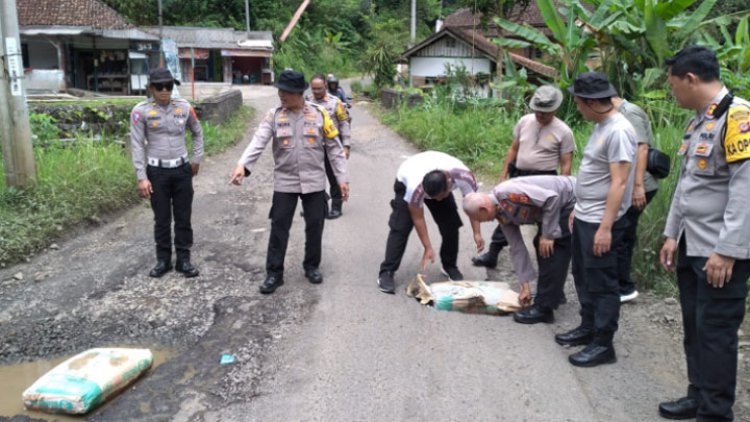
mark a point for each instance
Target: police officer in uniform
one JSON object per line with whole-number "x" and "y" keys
{"x": 301, "y": 134}
{"x": 546, "y": 201}
{"x": 541, "y": 143}
{"x": 165, "y": 175}
{"x": 708, "y": 225}
{"x": 340, "y": 116}
{"x": 645, "y": 187}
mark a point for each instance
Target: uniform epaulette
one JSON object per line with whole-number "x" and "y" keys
{"x": 142, "y": 103}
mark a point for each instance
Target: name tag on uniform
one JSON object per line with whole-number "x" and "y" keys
{"x": 284, "y": 132}
{"x": 703, "y": 149}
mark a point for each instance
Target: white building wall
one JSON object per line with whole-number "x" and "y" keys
{"x": 44, "y": 80}
{"x": 435, "y": 66}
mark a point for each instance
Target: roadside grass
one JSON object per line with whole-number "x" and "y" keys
{"x": 79, "y": 181}
{"x": 480, "y": 136}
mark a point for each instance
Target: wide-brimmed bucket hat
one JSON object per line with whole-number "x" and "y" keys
{"x": 161, "y": 75}
{"x": 546, "y": 99}
{"x": 291, "y": 81}
{"x": 592, "y": 85}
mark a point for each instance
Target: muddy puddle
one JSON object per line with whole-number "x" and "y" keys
{"x": 14, "y": 379}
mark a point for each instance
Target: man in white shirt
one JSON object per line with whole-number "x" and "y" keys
{"x": 427, "y": 178}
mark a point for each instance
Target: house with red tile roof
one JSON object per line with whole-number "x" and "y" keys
{"x": 464, "y": 42}
{"x": 86, "y": 44}
{"x": 82, "y": 44}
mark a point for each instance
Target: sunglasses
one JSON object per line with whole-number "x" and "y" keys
{"x": 161, "y": 86}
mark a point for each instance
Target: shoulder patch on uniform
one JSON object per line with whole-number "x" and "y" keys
{"x": 329, "y": 129}
{"x": 737, "y": 138}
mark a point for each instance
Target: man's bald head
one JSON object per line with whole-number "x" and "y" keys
{"x": 479, "y": 206}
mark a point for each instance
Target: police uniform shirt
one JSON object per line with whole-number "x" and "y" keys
{"x": 337, "y": 111}
{"x": 158, "y": 131}
{"x": 638, "y": 118}
{"x": 612, "y": 141}
{"x": 711, "y": 203}
{"x": 412, "y": 172}
{"x": 299, "y": 141}
{"x": 532, "y": 200}
{"x": 540, "y": 147}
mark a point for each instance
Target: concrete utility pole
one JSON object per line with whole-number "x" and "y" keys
{"x": 161, "y": 37}
{"x": 413, "y": 21}
{"x": 18, "y": 154}
{"x": 247, "y": 16}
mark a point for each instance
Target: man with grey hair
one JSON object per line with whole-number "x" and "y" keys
{"x": 541, "y": 144}
{"x": 543, "y": 200}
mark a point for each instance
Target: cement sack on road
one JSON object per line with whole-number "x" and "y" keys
{"x": 476, "y": 297}
{"x": 86, "y": 380}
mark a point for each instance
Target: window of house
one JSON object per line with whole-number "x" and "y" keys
{"x": 25, "y": 53}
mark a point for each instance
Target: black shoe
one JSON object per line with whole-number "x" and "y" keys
{"x": 271, "y": 283}
{"x": 186, "y": 268}
{"x": 314, "y": 276}
{"x": 161, "y": 268}
{"x": 334, "y": 214}
{"x": 386, "y": 283}
{"x": 684, "y": 408}
{"x": 593, "y": 355}
{"x": 487, "y": 259}
{"x": 575, "y": 337}
{"x": 452, "y": 273}
{"x": 534, "y": 315}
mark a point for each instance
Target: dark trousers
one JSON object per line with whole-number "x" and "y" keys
{"x": 446, "y": 216}
{"x": 336, "y": 198}
{"x": 172, "y": 196}
{"x": 282, "y": 212}
{"x": 553, "y": 270}
{"x": 625, "y": 253}
{"x": 596, "y": 280}
{"x": 711, "y": 318}
{"x": 498, "y": 241}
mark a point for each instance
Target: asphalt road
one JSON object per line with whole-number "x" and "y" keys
{"x": 339, "y": 351}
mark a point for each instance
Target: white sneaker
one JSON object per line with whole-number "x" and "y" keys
{"x": 628, "y": 297}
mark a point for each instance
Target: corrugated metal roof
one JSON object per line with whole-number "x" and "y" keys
{"x": 57, "y": 30}
{"x": 214, "y": 38}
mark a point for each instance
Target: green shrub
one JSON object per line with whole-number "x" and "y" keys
{"x": 356, "y": 87}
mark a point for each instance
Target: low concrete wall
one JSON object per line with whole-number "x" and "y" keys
{"x": 218, "y": 108}
{"x": 390, "y": 98}
{"x": 41, "y": 80}
{"x": 203, "y": 90}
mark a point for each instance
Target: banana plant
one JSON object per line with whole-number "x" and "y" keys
{"x": 655, "y": 29}
{"x": 573, "y": 38}
{"x": 733, "y": 51}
